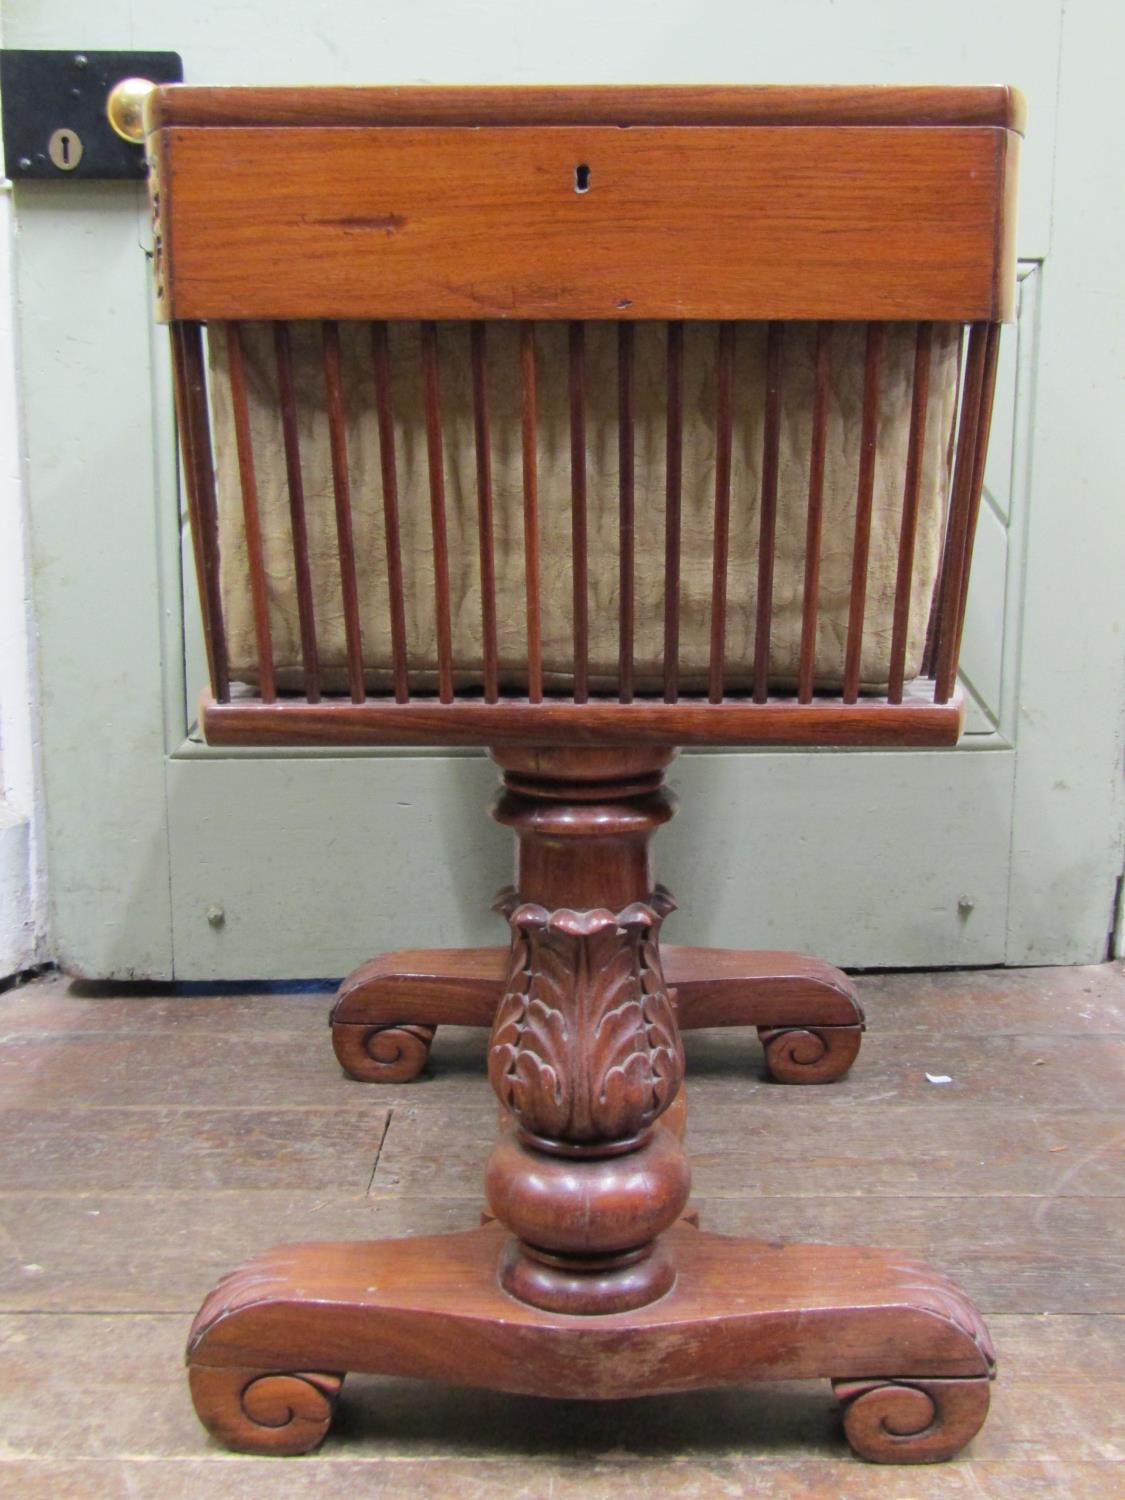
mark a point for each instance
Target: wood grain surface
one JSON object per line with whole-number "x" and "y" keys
{"x": 763, "y": 104}
{"x": 707, "y": 221}
{"x": 916, "y": 721}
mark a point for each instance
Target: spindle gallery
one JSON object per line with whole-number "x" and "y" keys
{"x": 505, "y": 425}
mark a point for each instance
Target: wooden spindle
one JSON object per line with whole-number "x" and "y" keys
{"x": 908, "y": 530}
{"x": 673, "y": 496}
{"x": 341, "y": 488}
{"x": 980, "y": 456}
{"x": 478, "y": 354}
{"x": 767, "y": 531}
{"x": 627, "y": 520}
{"x": 806, "y": 671}
{"x": 283, "y": 352}
{"x": 868, "y": 444}
{"x": 188, "y": 468}
{"x": 190, "y": 385}
{"x": 436, "y": 463}
{"x": 528, "y": 432}
{"x": 958, "y": 385}
{"x": 578, "y": 531}
{"x": 255, "y": 556}
{"x": 960, "y": 508}
{"x": 392, "y": 538}
{"x": 723, "y": 433}
{"x": 930, "y": 651}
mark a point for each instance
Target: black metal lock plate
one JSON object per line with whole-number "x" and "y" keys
{"x": 53, "y": 109}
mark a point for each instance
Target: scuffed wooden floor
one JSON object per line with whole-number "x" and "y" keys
{"x": 151, "y": 1141}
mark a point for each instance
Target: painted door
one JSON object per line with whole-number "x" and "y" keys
{"x": 168, "y": 859}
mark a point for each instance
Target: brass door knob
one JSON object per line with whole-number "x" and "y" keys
{"x": 125, "y": 108}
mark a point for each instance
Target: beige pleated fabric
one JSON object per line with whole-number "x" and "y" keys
{"x": 698, "y": 502}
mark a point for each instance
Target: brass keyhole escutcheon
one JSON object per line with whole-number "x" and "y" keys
{"x": 65, "y": 148}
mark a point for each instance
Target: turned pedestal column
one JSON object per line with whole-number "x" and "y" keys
{"x": 585, "y": 1052}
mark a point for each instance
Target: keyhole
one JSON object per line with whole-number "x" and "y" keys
{"x": 65, "y": 149}
{"x": 582, "y": 178}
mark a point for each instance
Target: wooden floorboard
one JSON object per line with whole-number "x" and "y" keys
{"x": 149, "y": 1140}
{"x": 231, "y": 1477}
{"x": 884, "y": 1148}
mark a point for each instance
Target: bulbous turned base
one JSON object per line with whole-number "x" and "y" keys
{"x": 587, "y": 1224}
{"x": 593, "y": 1206}
{"x": 582, "y": 1286}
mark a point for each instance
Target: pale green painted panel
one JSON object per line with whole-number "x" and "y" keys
{"x": 1069, "y": 808}
{"x": 85, "y": 366}
{"x": 1002, "y": 436}
{"x": 320, "y": 863}
{"x": 990, "y": 629}
{"x": 17, "y": 936}
{"x": 1019, "y": 488}
{"x": 977, "y": 720}
{"x": 982, "y": 650}
{"x": 861, "y": 857}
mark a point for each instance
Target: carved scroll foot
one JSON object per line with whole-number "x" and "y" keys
{"x": 386, "y": 1012}
{"x": 264, "y": 1411}
{"x": 810, "y": 1054}
{"x": 911, "y": 1421}
{"x": 382, "y": 1054}
{"x": 807, "y": 1012}
{"x": 903, "y": 1346}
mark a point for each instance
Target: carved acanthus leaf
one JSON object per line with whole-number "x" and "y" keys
{"x": 585, "y": 1047}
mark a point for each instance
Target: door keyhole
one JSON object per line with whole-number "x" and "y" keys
{"x": 65, "y": 149}
{"x": 582, "y": 178}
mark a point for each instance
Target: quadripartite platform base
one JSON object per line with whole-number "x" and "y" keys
{"x": 807, "y": 1012}
{"x": 905, "y": 1350}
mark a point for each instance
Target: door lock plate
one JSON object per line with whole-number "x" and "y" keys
{"x": 53, "y": 107}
